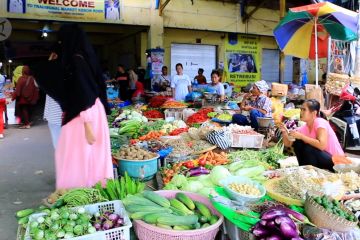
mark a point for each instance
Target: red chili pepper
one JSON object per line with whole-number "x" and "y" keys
{"x": 202, "y": 162}
{"x": 153, "y": 114}
{"x": 178, "y": 131}
{"x": 189, "y": 164}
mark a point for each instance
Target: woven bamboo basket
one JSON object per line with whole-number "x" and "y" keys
{"x": 325, "y": 219}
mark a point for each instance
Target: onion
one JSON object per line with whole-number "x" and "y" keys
{"x": 113, "y": 217}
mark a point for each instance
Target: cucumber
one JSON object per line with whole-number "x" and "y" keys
{"x": 25, "y": 212}
{"x": 203, "y": 219}
{"x": 205, "y": 225}
{"x": 185, "y": 200}
{"x": 177, "y": 211}
{"x": 162, "y": 201}
{"x": 164, "y": 226}
{"x": 182, "y": 228}
{"x": 173, "y": 220}
{"x": 138, "y": 200}
{"x": 180, "y": 206}
{"x": 140, "y": 208}
{"x": 213, "y": 219}
{"x": 203, "y": 209}
{"x": 139, "y": 215}
{"x": 152, "y": 217}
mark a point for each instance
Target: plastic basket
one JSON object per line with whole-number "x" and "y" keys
{"x": 141, "y": 169}
{"x": 121, "y": 233}
{"x": 317, "y": 214}
{"x": 247, "y": 141}
{"x": 146, "y": 231}
{"x": 242, "y": 197}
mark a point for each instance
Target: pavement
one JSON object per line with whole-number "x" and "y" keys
{"x": 27, "y": 173}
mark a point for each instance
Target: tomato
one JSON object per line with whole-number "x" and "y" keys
{"x": 189, "y": 164}
{"x": 202, "y": 162}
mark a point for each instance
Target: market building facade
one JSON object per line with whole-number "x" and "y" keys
{"x": 196, "y": 33}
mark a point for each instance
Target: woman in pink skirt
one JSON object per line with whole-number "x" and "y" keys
{"x": 73, "y": 78}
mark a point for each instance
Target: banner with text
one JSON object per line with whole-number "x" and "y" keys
{"x": 242, "y": 59}
{"x": 85, "y": 10}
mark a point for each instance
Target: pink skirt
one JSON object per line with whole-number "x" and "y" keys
{"x": 79, "y": 164}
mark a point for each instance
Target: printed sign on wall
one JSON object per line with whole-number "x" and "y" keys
{"x": 242, "y": 59}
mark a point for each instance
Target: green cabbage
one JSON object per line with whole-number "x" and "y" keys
{"x": 179, "y": 180}
{"x": 170, "y": 186}
{"x": 219, "y": 173}
{"x": 192, "y": 186}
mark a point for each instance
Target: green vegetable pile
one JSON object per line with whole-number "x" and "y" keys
{"x": 130, "y": 128}
{"x": 224, "y": 117}
{"x": 117, "y": 189}
{"x": 268, "y": 158}
{"x": 111, "y": 118}
{"x": 212, "y": 114}
{"x": 334, "y": 207}
{"x": 82, "y": 196}
{"x": 61, "y": 223}
{"x": 179, "y": 213}
{"x": 151, "y": 126}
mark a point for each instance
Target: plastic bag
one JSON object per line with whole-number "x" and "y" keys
{"x": 313, "y": 233}
{"x": 192, "y": 96}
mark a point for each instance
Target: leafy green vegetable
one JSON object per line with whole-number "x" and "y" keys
{"x": 218, "y": 173}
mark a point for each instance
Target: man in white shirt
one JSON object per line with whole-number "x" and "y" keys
{"x": 112, "y": 12}
{"x": 16, "y": 6}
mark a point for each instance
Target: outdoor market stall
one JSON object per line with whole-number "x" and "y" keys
{"x": 214, "y": 178}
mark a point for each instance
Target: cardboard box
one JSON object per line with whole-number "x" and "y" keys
{"x": 279, "y": 90}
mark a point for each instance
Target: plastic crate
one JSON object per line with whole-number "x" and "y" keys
{"x": 121, "y": 233}
{"x": 235, "y": 233}
{"x": 247, "y": 141}
{"x": 173, "y": 114}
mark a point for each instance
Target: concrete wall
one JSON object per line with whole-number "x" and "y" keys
{"x": 202, "y": 15}
{"x": 172, "y": 35}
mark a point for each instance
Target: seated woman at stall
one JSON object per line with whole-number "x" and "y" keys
{"x": 315, "y": 142}
{"x": 258, "y": 106}
{"x": 216, "y": 85}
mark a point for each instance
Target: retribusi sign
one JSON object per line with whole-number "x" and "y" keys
{"x": 242, "y": 59}
{"x": 85, "y": 10}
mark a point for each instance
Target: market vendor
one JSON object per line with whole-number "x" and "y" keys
{"x": 216, "y": 85}
{"x": 315, "y": 143}
{"x": 180, "y": 84}
{"x": 257, "y": 103}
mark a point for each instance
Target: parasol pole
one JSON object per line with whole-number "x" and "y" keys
{"x": 316, "y": 55}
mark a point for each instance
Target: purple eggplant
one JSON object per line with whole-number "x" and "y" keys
{"x": 198, "y": 171}
{"x": 263, "y": 222}
{"x": 107, "y": 225}
{"x": 113, "y": 217}
{"x": 297, "y": 238}
{"x": 120, "y": 222}
{"x": 274, "y": 237}
{"x": 272, "y": 214}
{"x": 97, "y": 226}
{"x": 287, "y": 220}
{"x": 288, "y": 231}
{"x": 271, "y": 224}
{"x": 295, "y": 214}
{"x": 260, "y": 231}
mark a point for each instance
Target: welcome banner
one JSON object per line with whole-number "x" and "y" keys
{"x": 85, "y": 10}
{"x": 242, "y": 59}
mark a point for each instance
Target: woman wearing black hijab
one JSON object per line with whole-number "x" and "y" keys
{"x": 73, "y": 78}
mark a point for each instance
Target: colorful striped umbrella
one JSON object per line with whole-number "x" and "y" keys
{"x": 304, "y": 31}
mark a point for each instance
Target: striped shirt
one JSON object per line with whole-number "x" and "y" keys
{"x": 52, "y": 112}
